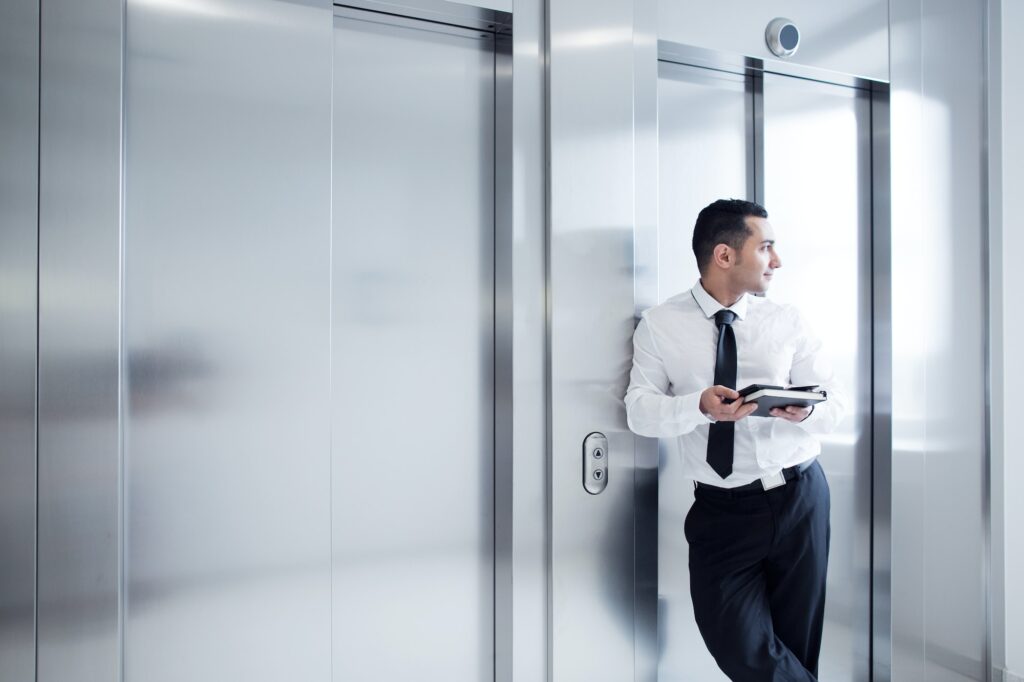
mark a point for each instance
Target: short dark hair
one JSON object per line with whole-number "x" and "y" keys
{"x": 723, "y": 222}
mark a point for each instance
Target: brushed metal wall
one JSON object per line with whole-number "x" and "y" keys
{"x": 522, "y": 488}
{"x": 19, "y": 168}
{"x": 590, "y": 299}
{"x": 1006, "y": 326}
{"x": 227, "y": 432}
{"x": 79, "y": 493}
{"x": 599, "y": 211}
{"x": 939, "y": 515}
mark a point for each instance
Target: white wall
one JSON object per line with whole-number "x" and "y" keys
{"x": 1007, "y": 240}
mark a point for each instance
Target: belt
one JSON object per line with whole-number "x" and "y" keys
{"x": 762, "y": 484}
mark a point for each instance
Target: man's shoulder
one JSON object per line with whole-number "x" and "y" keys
{"x": 671, "y": 308}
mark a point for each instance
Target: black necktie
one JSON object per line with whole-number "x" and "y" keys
{"x": 720, "y": 434}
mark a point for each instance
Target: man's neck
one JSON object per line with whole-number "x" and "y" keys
{"x": 721, "y": 292}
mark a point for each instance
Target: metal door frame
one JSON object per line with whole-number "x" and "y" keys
{"x": 19, "y": 208}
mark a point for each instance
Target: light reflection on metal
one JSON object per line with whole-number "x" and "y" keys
{"x": 939, "y": 544}
{"x": 591, "y": 107}
{"x": 591, "y": 39}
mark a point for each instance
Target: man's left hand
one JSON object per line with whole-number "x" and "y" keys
{"x": 791, "y": 413}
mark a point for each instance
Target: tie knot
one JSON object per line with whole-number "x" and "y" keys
{"x": 724, "y": 317}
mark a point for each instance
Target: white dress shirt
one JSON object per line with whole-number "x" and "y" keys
{"x": 674, "y": 349}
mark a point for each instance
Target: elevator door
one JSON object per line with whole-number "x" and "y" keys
{"x": 412, "y": 339}
{"x": 226, "y": 495}
{"x": 807, "y": 159}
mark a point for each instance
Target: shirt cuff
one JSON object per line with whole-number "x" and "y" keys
{"x": 691, "y": 404}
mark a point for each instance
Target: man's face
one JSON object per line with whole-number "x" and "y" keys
{"x": 757, "y": 260}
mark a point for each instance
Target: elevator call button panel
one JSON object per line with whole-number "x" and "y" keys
{"x": 595, "y": 463}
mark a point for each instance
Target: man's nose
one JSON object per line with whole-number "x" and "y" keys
{"x": 776, "y": 262}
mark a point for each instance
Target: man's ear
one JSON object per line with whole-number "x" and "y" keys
{"x": 723, "y": 256}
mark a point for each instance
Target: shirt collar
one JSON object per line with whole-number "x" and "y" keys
{"x": 710, "y": 306}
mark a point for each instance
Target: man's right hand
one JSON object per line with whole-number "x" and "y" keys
{"x": 712, "y": 403}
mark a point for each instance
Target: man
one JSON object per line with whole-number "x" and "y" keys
{"x": 758, "y": 530}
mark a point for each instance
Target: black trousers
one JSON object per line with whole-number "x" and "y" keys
{"x": 757, "y": 577}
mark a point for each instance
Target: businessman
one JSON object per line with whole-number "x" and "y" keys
{"x": 758, "y": 530}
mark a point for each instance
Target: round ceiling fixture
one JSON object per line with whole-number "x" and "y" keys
{"x": 783, "y": 37}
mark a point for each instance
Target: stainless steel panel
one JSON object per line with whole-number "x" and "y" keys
{"x": 525, "y": 244}
{"x": 19, "y": 140}
{"x": 938, "y": 446}
{"x": 849, "y": 38}
{"x": 591, "y": 308}
{"x": 227, "y": 341}
{"x": 939, "y": 322}
{"x": 78, "y": 387}
{"x": 505, "y": 568}
{"x": 705, "y": 135}
{"x": 817, "y": 168}
{"x": 908, "y": 367}
{"x": 1006, "y": 174}
{"x": 956, "y": 466}
{"x": 413, "y": 350}
{"x": 1002, "y": 101}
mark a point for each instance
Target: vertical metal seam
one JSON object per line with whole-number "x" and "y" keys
{"x": 757, "y": 97}
{"x": 634, "y": 168}
{"x": 122, "y": 577}
{"x": 873, "y": 583}
{"x": 880, "y": 407}
{"x": 872, "y": 431}
{"x": 887, "y": 378}
{"x": 330, "y": 350}
{"x": 494, "y": 360}
{"x": 35, "y": 415}
{"x": 752, "y": 132}
{"x": 924, "y": 427}
{"x": 881, "y": 380}
{"x": 503, "y": 296}
{"x": 545, "y": 57}
{"x": 986, "y": 289}
{"x": 633, "y": 134}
